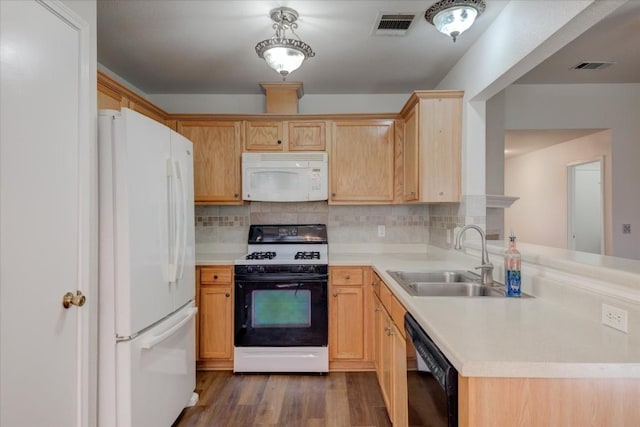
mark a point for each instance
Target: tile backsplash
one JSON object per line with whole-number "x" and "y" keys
{"x": 345, "y": 224}
{"x": 404, "y": 224}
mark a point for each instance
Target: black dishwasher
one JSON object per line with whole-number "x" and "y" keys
{"x": 442, "y": 371}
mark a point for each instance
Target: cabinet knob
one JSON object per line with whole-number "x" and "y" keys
{"x": 279, "y": 142}
{"x": 442, "y": 193}
{"x": 335, "y": 294}
{"x": 235, "y": 195}
{"x": 227, "y": 294}
{"x": 333, "y": 194}
{"x": 347, "y": 277}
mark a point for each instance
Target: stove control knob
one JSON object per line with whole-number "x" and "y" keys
{"x": 299, "y": 269}
{"x": 261, "y": 269}
{"x": 311, "y": 269}
{"x": 248, "y": 269}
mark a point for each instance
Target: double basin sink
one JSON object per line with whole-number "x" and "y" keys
{"x": 445, "y": 283}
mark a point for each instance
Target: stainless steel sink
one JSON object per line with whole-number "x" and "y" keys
{"x": 457, "y": 289}
{"x": 445, "y": 283}
{"x": 435, "y": 276}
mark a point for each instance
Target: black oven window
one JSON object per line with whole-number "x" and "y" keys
{"x": 282, "y": 308}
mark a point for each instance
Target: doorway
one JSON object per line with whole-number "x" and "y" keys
{"x": 585, "y": 207}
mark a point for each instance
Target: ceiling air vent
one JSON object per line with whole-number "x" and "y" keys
{"x": 592, "y": 65}
{"x": 390, "y": 24}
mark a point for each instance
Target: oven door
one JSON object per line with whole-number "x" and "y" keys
{"x": 281, "y": 311}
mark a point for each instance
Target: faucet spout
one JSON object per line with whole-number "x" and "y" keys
{"x": 486, "y": 267}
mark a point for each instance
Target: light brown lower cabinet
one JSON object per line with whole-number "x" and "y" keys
{"x": 350, "y": 342}
{"x": 390, "y": 359}
{"x": 215, "y": 317}
{"x": 531, "y": 402}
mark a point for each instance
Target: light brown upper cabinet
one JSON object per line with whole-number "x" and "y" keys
{"x": 216, "y": 159}
{"x": 362, "y": 162}
{"x": 113, "y": 96}
{"x": 432, "y": 147}
{"x": 262, "y": 135}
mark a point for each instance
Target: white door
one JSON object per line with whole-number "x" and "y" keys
{"x": 46, "y": 215}
{"x": 585, "y": 207}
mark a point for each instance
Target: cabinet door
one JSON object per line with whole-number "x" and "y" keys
{"x": 362, "y": 160}
{"x": 441, "y": 149}
{"x": 263, "y": 136}
{"x": 378, "y": 328}
{"x": 346, "y": 323}
{"x": 399, "y": 407}
{"x": 410, "y": 157}
{"x": 386, "y": 361}
{"x": 307, "y": 136}
{"x": 216, "y": 322}
{"x": 216, "y": 157}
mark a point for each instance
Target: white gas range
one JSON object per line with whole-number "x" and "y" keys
{"x": 281, "y": 304}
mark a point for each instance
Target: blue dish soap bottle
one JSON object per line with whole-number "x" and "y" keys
{"x": 512, "y": 264}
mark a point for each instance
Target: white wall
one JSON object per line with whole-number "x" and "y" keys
{"x": 605, "y": 106}
{"x": 539, "y": 178}
{"x": 524, "y": 34}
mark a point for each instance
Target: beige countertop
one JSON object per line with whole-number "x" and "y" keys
{"x": 501, "y": 337}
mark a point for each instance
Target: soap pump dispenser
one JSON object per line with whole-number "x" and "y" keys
{"x": 512, "y": 262}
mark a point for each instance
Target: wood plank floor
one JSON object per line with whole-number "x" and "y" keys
{"x": 337, "y": 399}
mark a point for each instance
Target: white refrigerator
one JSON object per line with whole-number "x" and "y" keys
{"x": 146, "y": 367}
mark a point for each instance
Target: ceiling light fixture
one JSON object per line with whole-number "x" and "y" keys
{"x": 282, "y": 54}
{"x": 454, "y": 17}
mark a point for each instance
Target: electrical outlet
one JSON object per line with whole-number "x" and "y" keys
{"x": 381, "y": 231}
{"x": 615, "y": 317}
{"x": 626, "y": 228}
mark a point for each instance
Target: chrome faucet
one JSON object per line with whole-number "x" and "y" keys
{"x": 486, "y": 267}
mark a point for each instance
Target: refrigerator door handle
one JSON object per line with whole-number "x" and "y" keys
{"x": 182, "y": 220}
{"x": 173, "y": 229}
{"x": 157, "y": 339}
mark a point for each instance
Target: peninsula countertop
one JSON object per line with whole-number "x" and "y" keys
{"x": 507, "y": 337}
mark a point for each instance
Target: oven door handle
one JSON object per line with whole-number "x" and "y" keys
{"x": 302, "y": 278}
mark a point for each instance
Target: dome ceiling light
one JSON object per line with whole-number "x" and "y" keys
{"x": 454, "y": 17}
{"x": 283, "y": 54}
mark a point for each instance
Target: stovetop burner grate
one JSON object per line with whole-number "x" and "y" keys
{"x": 307, "y": 255}
{"x": 261, "y": 255}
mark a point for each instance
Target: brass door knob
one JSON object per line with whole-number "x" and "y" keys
{"x": 70, "y": 299}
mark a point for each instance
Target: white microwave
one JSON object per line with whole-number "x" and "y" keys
{"x": 285, "y": 177}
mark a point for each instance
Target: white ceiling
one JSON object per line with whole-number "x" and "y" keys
{"x": 186, "y": 46}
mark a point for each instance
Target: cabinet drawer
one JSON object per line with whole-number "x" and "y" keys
{"x": 215, "y": 275}
{"x": 397, "y": 312}
{"x": 376, "y": 282}
{"x": 347, "y": 276}
{"x": 385, "y": 296}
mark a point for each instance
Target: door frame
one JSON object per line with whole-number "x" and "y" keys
{"x": 571, "y": 210}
